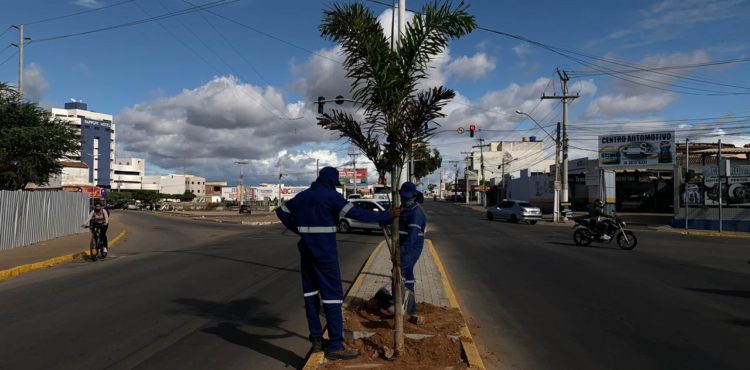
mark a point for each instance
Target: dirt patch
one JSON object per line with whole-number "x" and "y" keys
{"x": 437, "y": 352}
{"x": 365, "y": 316}
{"x": 441, "y": 350}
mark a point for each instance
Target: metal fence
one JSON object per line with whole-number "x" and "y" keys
{"x": 30, "y": 217}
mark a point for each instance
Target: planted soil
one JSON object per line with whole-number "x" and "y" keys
{"x": 442, "y": 350}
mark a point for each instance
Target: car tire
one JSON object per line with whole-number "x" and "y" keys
{"x": 532, "y": 222}
{"x": 513, "y": 219}
{"x": 490, "y": 216}
{"x": 344, "y": 227}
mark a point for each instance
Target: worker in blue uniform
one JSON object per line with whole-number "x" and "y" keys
{"x": 313, "y": 214}
{"x": 412, "y": 223}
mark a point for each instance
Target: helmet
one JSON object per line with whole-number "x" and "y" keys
{"x": 599, "y": 203}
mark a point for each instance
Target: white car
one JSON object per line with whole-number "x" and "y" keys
{"x": 514, "y": 211}
{"x": 638, "y": 150}
{"x": 376, "y": 205}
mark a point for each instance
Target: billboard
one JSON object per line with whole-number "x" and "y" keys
{"x": 346, "y": 175}
{"x": 702, "y": 187}
{"x": 637, "y": 150}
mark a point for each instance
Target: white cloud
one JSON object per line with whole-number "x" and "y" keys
{"x": 34, "y": 83}
{"x": 206, "y": 128}
{"x": 522, "y": 49}
{"x": 664, "y": 20}
{"x": 471, "y": 68}
{"x": 609, "y": 106}
{"x": 89, "y": 3}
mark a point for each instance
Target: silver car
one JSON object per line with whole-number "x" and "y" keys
{"x": 514, "y": 211}
{"x": 376, "y": 205}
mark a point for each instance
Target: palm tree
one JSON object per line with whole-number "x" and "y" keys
{"x": 385, "y": 81}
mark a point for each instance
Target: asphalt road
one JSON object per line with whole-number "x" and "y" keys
{"x": 175, "y": 293}
{"x": 541, "y": 302}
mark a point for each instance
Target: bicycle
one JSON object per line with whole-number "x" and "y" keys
{"x": 96, "y": 245}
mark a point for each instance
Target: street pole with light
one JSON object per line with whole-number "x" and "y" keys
{"x": 242, "y": 181}
{"x": 558, "y": 170}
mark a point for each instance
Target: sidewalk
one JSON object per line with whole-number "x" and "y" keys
{"x": 432, "y": 286}
{"x": 51, "y": 252}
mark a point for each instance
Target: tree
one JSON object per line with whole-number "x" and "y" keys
{"x": 426, "y": 161}
{"x": 385, "y": 82}
{"x": 431, "y": 187}
{"x": 187, "y": 196}
{"x": 31, "y": 141}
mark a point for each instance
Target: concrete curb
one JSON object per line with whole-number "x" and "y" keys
{"x": 467, "y": 341}
{"x": 715, "y": 234}
{"x": 18, "y": 270}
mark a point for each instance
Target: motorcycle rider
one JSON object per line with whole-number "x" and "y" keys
{"x": 597, "y": 218}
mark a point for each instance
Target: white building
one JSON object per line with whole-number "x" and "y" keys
{"x": 510, "y": 157}
{"x": 73, "y": 175}
{"x": 175, "y": 184}
{"x": 128, "y": 174}
{"x": 98, "y": 140}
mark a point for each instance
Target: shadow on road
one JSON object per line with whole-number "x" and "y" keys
{"x": 726, "y": 292}
{"x": 238, "y": 316}
{"x": 592, "y": 246}
{"x": 745, "y": 323}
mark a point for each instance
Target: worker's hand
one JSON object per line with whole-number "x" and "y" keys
{"x": 395, "y": 212}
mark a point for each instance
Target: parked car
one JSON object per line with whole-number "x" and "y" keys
{"x": 514, "y": 211}
{"x": 377, "y": 205}
{"x": 354, "y": 196}
{"x": 245, "y": 209}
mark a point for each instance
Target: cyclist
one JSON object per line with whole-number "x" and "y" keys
{"x": 100, "y": 217}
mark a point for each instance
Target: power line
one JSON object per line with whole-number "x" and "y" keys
{"x": 9, "y": 58}
{"x": 77, "y": 13}
{"x": 213, "y": 4}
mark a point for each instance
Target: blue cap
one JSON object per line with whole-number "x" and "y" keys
{"x": 408, "y": 189}
{"x": 328, "y": 175}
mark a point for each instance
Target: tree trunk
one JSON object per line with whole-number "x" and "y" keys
{"x": 398, "y": 318}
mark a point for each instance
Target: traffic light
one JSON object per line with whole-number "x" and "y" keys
{"x": 472, "y": 128}
{"x": 321, "y": 103}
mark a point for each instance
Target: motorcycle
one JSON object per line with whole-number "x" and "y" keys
{"x": 584, "y": 234}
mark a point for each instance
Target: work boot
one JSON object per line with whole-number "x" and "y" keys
{"x": 343, "y": 354}
{"x": 317, "y": 345}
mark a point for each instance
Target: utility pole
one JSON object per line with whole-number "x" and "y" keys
{"x": 565, "y": 100}
{"x": 719, "y": 184}
{"x": 557, "y": 185}
{"x": 242, "y": 181}
{"x": 354, "y": 170}
{"x": 687, "y": 170}
{"x": 481, "y": 166}
{"x": 440, "y": 184}
{"x": 455, "y": 181}
{"x": 466, "y": 174}
{"x": 21, "y": 40}
{"x": 317, "y": 166}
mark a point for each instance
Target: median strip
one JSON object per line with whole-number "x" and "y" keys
{"x": 443, "y": 339}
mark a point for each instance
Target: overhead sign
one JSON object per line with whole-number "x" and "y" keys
{"x": 637, "y": 150}
{"x": 346, "y": 175}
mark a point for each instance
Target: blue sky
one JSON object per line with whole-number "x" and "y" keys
{"x": 197, "y": 91}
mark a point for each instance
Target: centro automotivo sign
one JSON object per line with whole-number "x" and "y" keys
{"x": 637, "y": 150}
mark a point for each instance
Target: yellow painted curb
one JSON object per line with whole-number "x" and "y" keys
{"x": 317, "y": 359}
{"x": 18, "y": 270}
{"x": 714, "y": 234}
{"x": 470, "y": 349}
